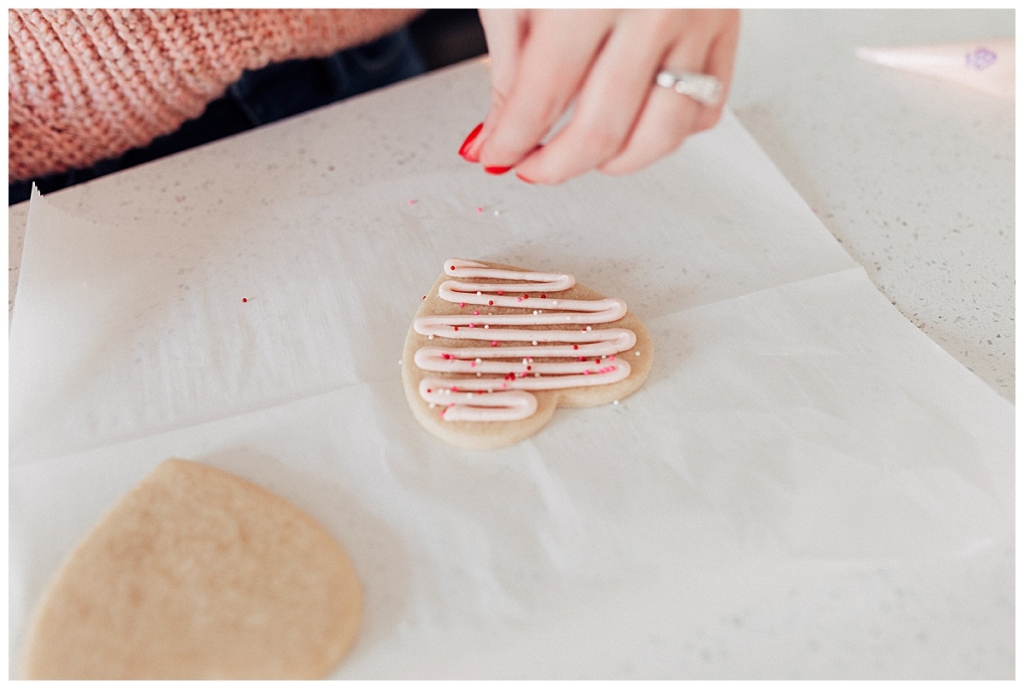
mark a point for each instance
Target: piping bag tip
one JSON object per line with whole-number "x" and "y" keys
{"x": 985, "y": 66}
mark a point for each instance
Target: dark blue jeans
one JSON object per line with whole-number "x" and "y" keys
{"x": 262, "y": 96}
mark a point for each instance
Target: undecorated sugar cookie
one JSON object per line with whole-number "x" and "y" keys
{"x": 494, "y": 349}
{"x": 198, "y": 574}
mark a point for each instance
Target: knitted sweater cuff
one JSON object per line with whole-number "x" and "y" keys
{"x": 91, "y": 84}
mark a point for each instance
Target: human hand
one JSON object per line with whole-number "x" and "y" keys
{"x": 604, "y": 61}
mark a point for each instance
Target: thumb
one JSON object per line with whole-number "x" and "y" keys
{"x": 505, "y": 31}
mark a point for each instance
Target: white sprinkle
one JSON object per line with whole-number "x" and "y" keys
{"x": 615, "y": 401}
{"x": 487, "y": 327}
{"x": 536, "y": 375}
{"x": 525, "y": 360}
{"x": 535, "y": 313}
{"x": 432, "y": 405}
{"x": 535, "y": 343}
{"x": 478, "y": 292}
{"x": 399, "y": 362}
{"x": 555, "y": 302}
{"x": 478, "y": 374}
{"x": 479, "y": 360}
{"x": 637, "y": 353}
{"x": 497, "y": 212}
{"x": 588, "y": 328}
{"x": 430, "y": 337}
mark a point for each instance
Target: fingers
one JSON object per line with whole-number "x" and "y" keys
{"x": 721, "y": 58}
{"x": 596, "y": 131}
{"x": 666, "y": 120}
{"x": 668, "y": 117}
{"x": 505, "y": 31}
{"x": 547, "y": 75}
{"x": 605, "y": 61}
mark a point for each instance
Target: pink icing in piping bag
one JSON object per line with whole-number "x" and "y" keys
{"x": 985, "y": 66}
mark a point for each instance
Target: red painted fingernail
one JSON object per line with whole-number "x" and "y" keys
{"x": 497, "y": 170}
{"x": 528, "y": 181}
{"x": 464, "y": 148}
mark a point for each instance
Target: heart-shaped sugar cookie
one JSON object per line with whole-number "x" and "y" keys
{"x": 494, "y": 349}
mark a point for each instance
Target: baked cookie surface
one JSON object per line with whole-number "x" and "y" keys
{"x": 495, "y": 349}
{"x": 198, "y": 574}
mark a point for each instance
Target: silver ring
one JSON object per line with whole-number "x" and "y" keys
{"x": 703, "y": 88}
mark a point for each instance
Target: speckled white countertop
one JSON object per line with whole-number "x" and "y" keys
{"x": 913, "y": 176}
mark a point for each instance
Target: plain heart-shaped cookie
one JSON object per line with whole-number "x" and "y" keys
{"x": 495, "y": 349}
{"x": 198, "y": 574}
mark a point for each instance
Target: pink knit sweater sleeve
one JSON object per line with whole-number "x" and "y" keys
{"x": 85, "y": 85}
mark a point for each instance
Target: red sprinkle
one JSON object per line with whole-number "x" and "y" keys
{"x": 452, "y": 267}
{"x": 456, "y": 328}
{"x": 244, "y": 300}
{"x": 490, "y": 302}
{"x": 543, "y": 296}
{"x": 575, "y": 346}
{"x": 494, "y": 343}
{"x": 526, "y": 296}
{"x": 462, "y": 304}
{"x": 500, "y": 292}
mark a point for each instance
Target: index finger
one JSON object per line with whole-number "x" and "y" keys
{"x": 550, "y": 71}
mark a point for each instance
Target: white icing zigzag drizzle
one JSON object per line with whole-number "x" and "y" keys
{"x": 586, "y": 356}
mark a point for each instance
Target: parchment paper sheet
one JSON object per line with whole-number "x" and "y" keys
{"x": 794, "y": 430}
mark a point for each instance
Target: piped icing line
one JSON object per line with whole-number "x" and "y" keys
{"x": 464, "y": 268}
{"x": 514, "y": 404}
{"x": 588, "y": 355}
{"x": 611, "y": 311}
{"x": 438, "y": 359}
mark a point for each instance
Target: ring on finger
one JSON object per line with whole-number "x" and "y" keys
{"x": 703, "y": 88}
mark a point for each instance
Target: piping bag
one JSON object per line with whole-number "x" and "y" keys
{"x": 985, "y": 66}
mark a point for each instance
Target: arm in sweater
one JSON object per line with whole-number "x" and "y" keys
{"x": 90, "y": 84}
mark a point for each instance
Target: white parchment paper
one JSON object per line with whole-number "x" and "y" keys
{"x": 794, "y": 429}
